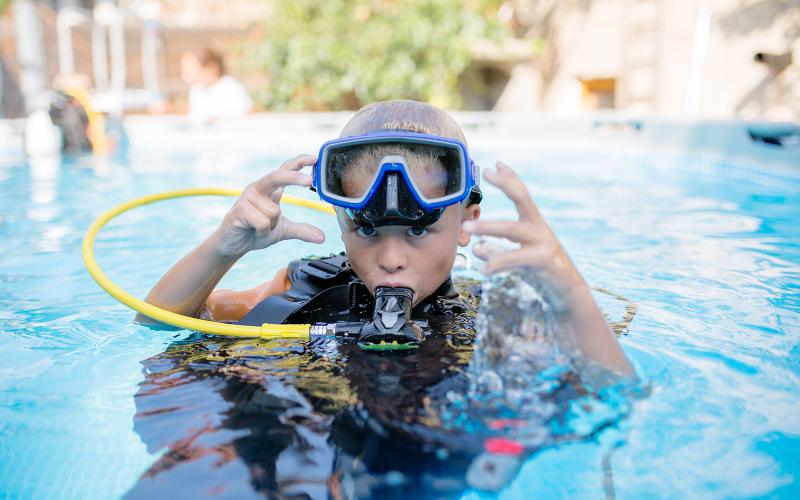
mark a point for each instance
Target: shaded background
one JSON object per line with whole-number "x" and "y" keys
{"x": 693, "y": 58}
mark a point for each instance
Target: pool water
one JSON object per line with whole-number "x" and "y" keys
{"x": 707, "y": 250}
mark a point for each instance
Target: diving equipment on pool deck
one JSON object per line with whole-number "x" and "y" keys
{"x": 395, "y": 177}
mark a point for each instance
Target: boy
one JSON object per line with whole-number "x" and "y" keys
{"x": 405, "y": 199}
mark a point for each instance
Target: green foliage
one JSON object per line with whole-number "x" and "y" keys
{"x": 339, "y": 54}
{"x": 4, "y": 4}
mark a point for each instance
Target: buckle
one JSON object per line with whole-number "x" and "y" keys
{"x": 328, "y": 268}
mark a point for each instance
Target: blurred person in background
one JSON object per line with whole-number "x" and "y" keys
{"x": 212, "y": 93}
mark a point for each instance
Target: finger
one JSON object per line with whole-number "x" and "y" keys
{"x": 486, "y": 248}
{"x": 280, "y": 178}
{"x": 264, "y": 204}
{"x": 523, "y": 257}
{"x": 483, "y": 250}
{"x": 519, "y": 232}
{"x": 274, "y": 197}
{"x": 302, "y": 231}
{"x": 507, "y": 180}
{"x": 261, "y": 223}
{"x": 298, "y": 162}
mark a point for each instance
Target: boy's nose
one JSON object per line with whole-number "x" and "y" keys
{"x": 391, "y": 256}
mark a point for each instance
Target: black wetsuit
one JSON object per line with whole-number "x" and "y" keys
{"x": 252, "y": 418}
{"x": 327, "y": 290}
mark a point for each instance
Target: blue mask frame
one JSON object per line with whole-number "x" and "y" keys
{"x": 469, "y": 168}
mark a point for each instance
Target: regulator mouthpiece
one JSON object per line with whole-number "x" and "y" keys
{"x": 391, "y": 326}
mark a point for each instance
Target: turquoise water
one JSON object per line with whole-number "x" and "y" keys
{"x": 708, "y": 251}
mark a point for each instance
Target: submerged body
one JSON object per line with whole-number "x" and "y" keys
{"x": 332, "y": 419}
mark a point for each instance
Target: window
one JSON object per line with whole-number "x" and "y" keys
{"x": 598, "y": 93}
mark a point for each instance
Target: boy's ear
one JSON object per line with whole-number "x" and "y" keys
{"x": 471, "y": 212}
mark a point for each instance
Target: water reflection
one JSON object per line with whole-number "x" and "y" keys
{"x": 332, "y": 419}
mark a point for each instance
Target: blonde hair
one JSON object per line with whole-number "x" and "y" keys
{"x": 409, "y": 116}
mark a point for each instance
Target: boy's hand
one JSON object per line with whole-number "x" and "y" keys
{"x": 539, "y": 247}
{"x": 255, "y": 220}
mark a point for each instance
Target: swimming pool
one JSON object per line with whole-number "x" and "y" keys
{"x": 706, "y": 244}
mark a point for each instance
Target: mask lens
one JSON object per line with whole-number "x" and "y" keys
{"x": 344, "y": 176}
{"x": 436, "y": 171}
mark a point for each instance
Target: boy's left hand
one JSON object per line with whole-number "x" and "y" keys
{"x": 539, "y": 247}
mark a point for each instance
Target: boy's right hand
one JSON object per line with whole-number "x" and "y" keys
{"x": 255, "y": 220}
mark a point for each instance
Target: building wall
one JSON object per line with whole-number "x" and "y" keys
{"x": 589, "y": 45}
{"x": 647, "y": 46}
{"x": 733, "y": 80}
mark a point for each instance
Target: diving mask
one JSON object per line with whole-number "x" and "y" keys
{"x": 396, "y": 177}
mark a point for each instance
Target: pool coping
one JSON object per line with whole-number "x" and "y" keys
{"x": 737, "y": 141}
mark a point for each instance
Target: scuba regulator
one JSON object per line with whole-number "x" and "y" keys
{"x": 391, "y": 327}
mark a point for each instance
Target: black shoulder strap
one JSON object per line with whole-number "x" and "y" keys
{"x": 277, "y": 309}
{"x": 327, "y": 290}
{"x": 320, "y": 287}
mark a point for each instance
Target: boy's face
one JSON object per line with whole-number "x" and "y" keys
{"x": 419, "y": 258}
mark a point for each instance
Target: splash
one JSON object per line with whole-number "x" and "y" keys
{"x": 518, "y": 346}
{"x": 519, "y": 364}
{"x": 524, "y": 389}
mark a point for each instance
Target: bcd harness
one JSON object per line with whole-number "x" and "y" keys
{"x": 326, "y": 292}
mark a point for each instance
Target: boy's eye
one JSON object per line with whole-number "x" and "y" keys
{"x": 416, "y": 232}
{"x": 366, "y": 232}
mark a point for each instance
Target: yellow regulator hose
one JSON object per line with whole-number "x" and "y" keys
{"x": 266, "y": 330}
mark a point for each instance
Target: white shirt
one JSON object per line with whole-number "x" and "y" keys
{"x": 225, "y": 98}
